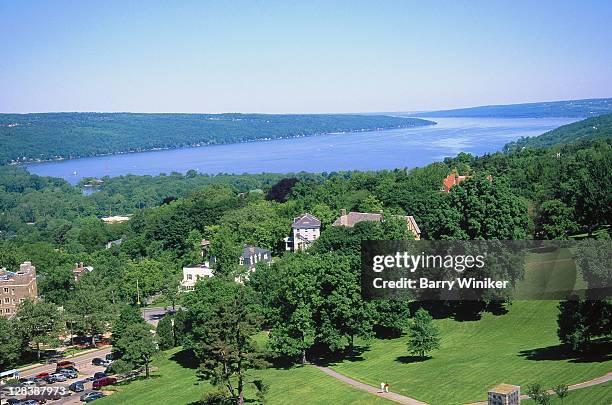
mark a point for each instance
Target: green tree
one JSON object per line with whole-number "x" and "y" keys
{"x": 538, "y": 394}
{"x": 138, "y": 346}
{"x": 128, "y": 315}
{"x": 223, "y": 320}
{"x": 555, "y": 220}
{"x": 293, "y": 331}
{"x": 423, "y": 335}
{"x": 488, "y": 210}
{"x": 10, "y": 345}
{"x": 39, "y": 323}
{"x": 165, "y": 333}
{"x": 90, "y": 310}
{"x": 561, "y": 390}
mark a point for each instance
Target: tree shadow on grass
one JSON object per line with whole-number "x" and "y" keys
{"x": 186, "y": 359}
{"x": 599, "y": 352}
{"x": 460, "y": 311}
{"x": 411, "y": 359}
{"x": 326, "y": 358}
{"x": 139, "y": 378}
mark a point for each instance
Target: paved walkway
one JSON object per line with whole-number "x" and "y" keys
{"x": 401, "y": 399}
{"x": 392, "y": 396}
{"x": 585, "y": 384}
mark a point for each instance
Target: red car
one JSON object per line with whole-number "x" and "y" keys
{"x": 101, "y": 382}
{"x": 64, "y": 364}
{"x": 40, "y": 376}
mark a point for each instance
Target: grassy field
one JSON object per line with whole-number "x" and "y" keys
{"x": 519, "y": 347}
{"x": 175, "y": 382}
{"x": 598, "y": 394}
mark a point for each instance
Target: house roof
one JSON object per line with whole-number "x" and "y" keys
{"x": 306, "y": 221}
{"x": 504, "y": 388}
{"x": 353, "y": 218}
{"x": 250, "y": 250}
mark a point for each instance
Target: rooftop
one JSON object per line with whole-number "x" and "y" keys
{"x": 306, "y": 221}
{"x": 504, "y": 388}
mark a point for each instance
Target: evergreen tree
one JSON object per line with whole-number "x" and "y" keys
{"x": 423, "y": 335}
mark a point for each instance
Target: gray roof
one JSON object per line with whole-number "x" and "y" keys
{"x": 250, "y": 250}
{"x": 306, "y": 221}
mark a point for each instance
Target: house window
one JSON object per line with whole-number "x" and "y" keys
{"x": 6, "y": 290}
{"x": 7, "y": 311}
{"x": 7, "y": 300}
{"x": 189, "y": 277}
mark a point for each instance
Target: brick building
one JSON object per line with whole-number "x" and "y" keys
{"x": 15, "y": 287}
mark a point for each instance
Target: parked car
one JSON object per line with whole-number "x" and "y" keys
{"x": 69, "y": 373}
{"x": 65, "y": 364}
{"x": 91, "y": 396}
{"x": 41, "y": 376}
{"x": 102, "y": 382}
{"x": 59, "y": 377}
{"x": 58, "y": 369}
{"x": 99, "y": 375}
{"x": 13, "y": 401}
{"x": 29, "y": 383}
{"x": 76, "y": 387}
{"x": 100, "y": 362}
{"x": 109, "y": 357}
{"x": 29, "y": 402}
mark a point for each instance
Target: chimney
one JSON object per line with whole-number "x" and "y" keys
{"x": 342, "y": 211}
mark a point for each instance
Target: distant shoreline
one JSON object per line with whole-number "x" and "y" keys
{"x": 208, "y": 144}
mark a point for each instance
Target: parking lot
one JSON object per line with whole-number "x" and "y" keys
{"x": 86, "y": 371}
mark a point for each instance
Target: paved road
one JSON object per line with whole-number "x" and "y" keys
{"x": 153, "y": 315}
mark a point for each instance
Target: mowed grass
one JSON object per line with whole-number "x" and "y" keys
{"x": 547, "y": 273}
{"x": 520, "y": 347}
{"x": 175, "y": 383}
{"x": 597, "y": 394}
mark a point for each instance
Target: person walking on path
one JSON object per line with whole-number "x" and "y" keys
{"x": 382, "y": 387}
{"x": 386, "y": 387}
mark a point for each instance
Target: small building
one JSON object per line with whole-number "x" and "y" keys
{"x": 305, "y": 230}
{"x": 15, "y": 287}
{"x": 251, "y": 255}
{"x": 192, "y": 274}
{"x": 115, "y": 219}
{"x": 352, "y": 218}
{"x": 112, "y": 243}
{"x": 504, "y": 394}
{"x": 453, "y": 179}
{"x": 80, "y": 270}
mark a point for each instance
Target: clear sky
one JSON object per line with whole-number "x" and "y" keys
{"x": 306, "y": 56}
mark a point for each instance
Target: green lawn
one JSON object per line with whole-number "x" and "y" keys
{"x": 547, "y": 273}
{"x": 598, "y": 394}
{"x": 174, "y": 384}
{"x": 520, "y": 347}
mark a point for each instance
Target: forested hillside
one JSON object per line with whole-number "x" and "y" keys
{"x": 571, "y": 108}
{"x": 39, "y": 137}
{"x": 588, "y": 129}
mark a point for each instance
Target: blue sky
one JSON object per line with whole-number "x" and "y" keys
{"x": 307, "y": 56}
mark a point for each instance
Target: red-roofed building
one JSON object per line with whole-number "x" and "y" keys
{"x": 453, "y": 179}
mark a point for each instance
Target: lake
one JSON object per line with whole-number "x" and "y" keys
{"x": 373, "y": 150}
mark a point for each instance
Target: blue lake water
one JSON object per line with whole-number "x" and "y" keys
{"x": 353, "y": 151}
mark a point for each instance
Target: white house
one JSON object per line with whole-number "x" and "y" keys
{"x": 192, "y": 274}
{"x": 305, "y": 230}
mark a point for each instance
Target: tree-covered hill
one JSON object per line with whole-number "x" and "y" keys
{"x": 588, "y": 129}
{"x": 570, "y": 108}
{"x": 37, "y": 137}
